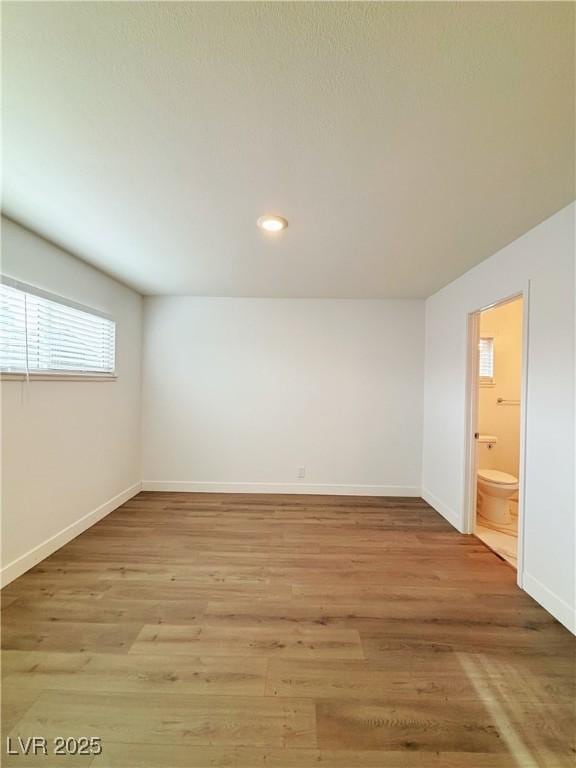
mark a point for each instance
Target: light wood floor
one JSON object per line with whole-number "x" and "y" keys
{"x": 202, "y": 630}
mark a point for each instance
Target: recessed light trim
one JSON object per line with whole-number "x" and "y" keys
{"x": 271, "y": 223}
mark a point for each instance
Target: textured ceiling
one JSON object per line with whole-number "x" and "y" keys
{"x": 405, "y": 142}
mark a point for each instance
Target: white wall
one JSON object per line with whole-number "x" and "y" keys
{"x": 70, "y": 449}
{"x": 240, "y": 393}
{"x": 545, "y": 258}
{"x": 504, "y": 324}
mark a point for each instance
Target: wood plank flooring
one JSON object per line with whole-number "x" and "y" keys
{"x": 203, "y": 630}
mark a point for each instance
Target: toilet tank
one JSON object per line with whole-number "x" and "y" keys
{"x": 486, "y": 452}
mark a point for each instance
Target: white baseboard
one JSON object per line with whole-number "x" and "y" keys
{"x": 555, "y": 605}
{"x": 452, "y": 517}
{"x": 41, "y": 551}
{"x": 193, "y": 486}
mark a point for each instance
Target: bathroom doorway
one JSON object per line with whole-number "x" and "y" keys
{"x": 496, "y": 474}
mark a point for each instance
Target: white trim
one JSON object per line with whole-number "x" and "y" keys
{"x": 472, "y": 397}
{"x": 47, "y": 376}
{"x": 555, "y": 605}
{"x": 521, "y": 545}
{"x": 448, "y": 514}
{"x": 41, "y": 551}
{"x": 195, "y": 486}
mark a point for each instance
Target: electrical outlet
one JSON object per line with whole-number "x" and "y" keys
{"x": 301, "y": 473}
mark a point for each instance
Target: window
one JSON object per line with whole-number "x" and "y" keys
{"x": 43, "y": 334}
{"x": 486, "y": 360}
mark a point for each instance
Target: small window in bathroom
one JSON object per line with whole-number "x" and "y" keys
{"x": 486, "y": 360}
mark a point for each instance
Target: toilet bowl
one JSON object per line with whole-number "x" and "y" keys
{"x": 494, "y": 491}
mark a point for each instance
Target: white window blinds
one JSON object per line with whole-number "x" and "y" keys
{"x": 42, "y": 334}
{"x": 486, "y": 353}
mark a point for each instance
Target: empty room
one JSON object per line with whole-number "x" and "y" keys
{"x": 287, "y": 362}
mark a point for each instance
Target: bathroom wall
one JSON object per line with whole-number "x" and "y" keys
{"x": 504, "y": 325}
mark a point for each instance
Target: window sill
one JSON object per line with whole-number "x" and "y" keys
{"x": 57, "y": 377}
{"x": 487, "y": 383}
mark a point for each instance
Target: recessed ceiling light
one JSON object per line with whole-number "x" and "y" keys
{"x": 272, "y": 223}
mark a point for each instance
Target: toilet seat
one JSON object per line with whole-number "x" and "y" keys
{"x": 497, "y": 477}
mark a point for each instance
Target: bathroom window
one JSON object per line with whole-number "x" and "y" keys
{"x": 486, "y": 360}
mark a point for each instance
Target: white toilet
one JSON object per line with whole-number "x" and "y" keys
{"x": 495, "y": 488}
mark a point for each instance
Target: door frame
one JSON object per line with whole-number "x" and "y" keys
{"x": 472, "y": 390}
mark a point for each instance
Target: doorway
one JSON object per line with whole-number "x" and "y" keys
{"x": 495, "y": 477}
